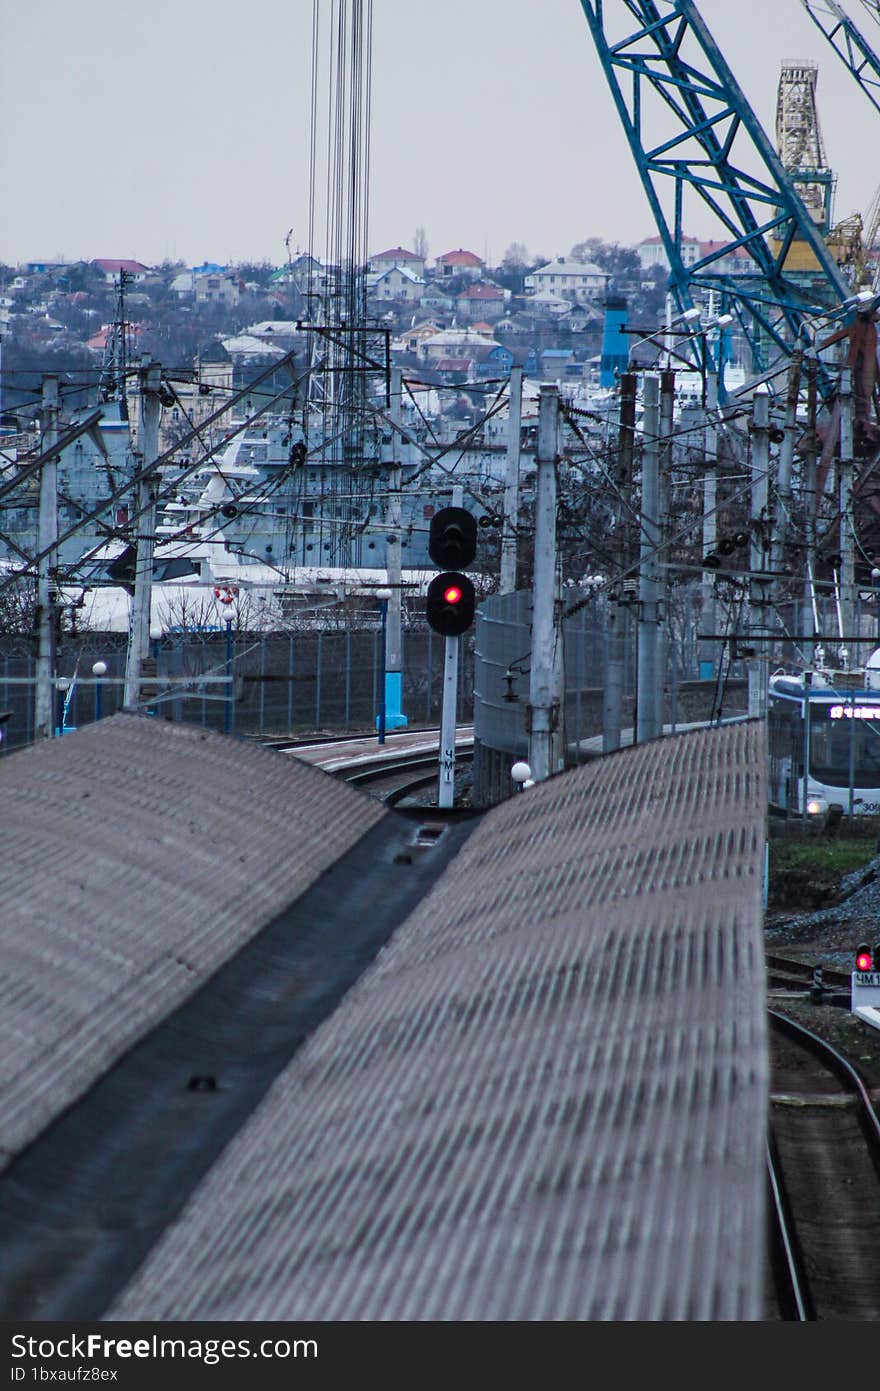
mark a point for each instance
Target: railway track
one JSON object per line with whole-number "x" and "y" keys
{"x": 787, "y": 973}
{"x": 406, "y": 764}
{"x": 824, "y": 1176}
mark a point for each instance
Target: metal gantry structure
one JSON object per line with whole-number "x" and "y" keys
{"x": 693, "y": 133}
{"x": 849, "y": 42}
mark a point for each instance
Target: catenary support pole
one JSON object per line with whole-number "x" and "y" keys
{"x": 47, "y": 598}
{"x": 649, "y": 683}
{"x": 664, "y": 503}
{"x": 618, "y": 612}
{"x": 543, "y": 680}
{"x": 782, "y": 510}
{"x": 394, "y": 716}
{"x": 759, "y": 600}
{"x": 809, "y": 607}
{"x": 139, "y": 629}
{"x": 507, "y": 582}
{"x": 708, "y": 607}
{"x": 847, "y": 578}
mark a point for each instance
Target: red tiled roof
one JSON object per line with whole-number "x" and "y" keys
{"x": 459, "y": 258}
{"x": 398, "y": 253}
{"x": 709, "y": 248}
{"x": 117, "y": 266}
{"x": 453, "y": 364}
{"x": 483, "y": 292}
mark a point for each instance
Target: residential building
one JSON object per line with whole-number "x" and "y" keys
{"x": 396, "y": 283}
{"x": 218, "y": 287}
{"x": 481, "y": 300}
{"x": 575, "y": 281}
{"x": 459, "y": 262}
{"x": 732, "y": 261}
{"x": 112, "y": 269}
{"x": 454, "y": 342}
{"x": 411, "y": 339}
{"x": 398, "y": 256}
{"x": 652, "y": 253}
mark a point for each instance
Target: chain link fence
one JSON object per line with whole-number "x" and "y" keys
{"x": 502, "y": 663}
{"x": 249, "y": 684}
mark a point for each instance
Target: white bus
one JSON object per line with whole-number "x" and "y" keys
{"x": 827, "y": 723}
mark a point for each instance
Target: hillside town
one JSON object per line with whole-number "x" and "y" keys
{"x": 451, "y": 315}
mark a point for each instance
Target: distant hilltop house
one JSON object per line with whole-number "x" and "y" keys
{"x": 113, "y": 269}
{"x": 576, "y": 282}
{"x": 396, "y": 283}
{"x": 398, "y": 256}
{"x": 217, "y": 287}
{"x": 459, "y": 262}
{"x": 651, "y": 252}
{"x": 99, "y": 342}
{"x": 725, "y": 260}
{"x": 411, "y": 339}
{"x": 457, "y": 343}
{"x": 481, "y": 301}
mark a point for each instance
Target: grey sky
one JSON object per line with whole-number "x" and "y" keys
{"x": 179, "y": 128}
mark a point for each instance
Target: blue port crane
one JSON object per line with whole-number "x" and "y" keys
{"x": 849, "y": 43}
{"x": 693, "y": 134}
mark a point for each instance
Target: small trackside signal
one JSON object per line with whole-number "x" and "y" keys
{"x": 451, "y": 603}
{"x": 866, "y": 959}
{"x": 452, "y": 542}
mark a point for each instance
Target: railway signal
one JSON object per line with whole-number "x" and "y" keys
{"x": 865, "y": 980}
{"x": 451, "y": 603}
{"x": 452, "y": 540}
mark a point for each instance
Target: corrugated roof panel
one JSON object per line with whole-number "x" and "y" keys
{"x": 545, "y": 1099}
{"x": 138, "y": 856}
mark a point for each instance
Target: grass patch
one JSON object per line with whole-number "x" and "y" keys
{"x": 839, "y": 856}
{"x": 806, "y": 871}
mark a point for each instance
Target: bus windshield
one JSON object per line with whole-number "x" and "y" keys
{"x": 840, "y": 740}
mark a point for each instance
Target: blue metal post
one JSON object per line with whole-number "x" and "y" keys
{"x": 384, "y": 604}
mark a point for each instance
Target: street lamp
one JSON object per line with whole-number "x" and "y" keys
{"x": 692, "y": 327}
{"x": 521, "y": 774}
{"x": 383, "y": 595}
{"x": 62, "y": 685}
{"x": 99, "y": 669}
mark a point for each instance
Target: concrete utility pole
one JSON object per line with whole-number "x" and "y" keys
{"x": 44, "y": 699}
{"x": 618, "y": 613}
{"x": 511, "y": 485}
{"x": 394, "y": 716}
{"x": 759, "y": 628}
{"x": 544, "y": 711}
{"x": 664, "y": 496}
{"x": 847, "y": 579}
{"x": 782, "y": 510}
{"x": 649, "y": 719}
{"x": 809, "y": 609}
{"x": 145, "y": 507}
{"x": 708, "y": 614}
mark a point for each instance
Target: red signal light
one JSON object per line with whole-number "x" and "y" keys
{"x": 451, "y": 602}
{"x": 864, "y": 959}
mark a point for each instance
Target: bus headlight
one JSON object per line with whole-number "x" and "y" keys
{"x": 817, "y": 806}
